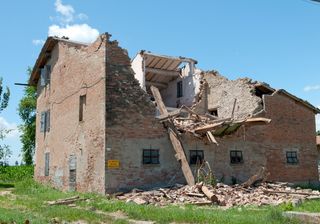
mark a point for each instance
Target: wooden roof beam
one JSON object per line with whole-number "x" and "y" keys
{"x": 163, "y": 72}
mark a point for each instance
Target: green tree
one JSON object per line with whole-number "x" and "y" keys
{"x": 27, "y": 112}
{"x": 4, "y": 101}
{"x": 318, "y": 132}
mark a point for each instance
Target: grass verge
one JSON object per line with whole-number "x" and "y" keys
{"x": 28, "y": 201}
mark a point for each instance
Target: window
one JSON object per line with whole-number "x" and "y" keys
{"x": 196, "y": 156}
{"x": 236, "y": 157}
{"x": 45, "y": 121}
{"x": 292, "y": 157}
{"x": 150, "y": 156}
{"x": 179, "y": 89}
{"x": 214, "y": 112}
{"x": 83, "y": 102}
{"x": 48, "y": 121}
{"x": 46, "y": 164}
{"x": 45, "y": 75}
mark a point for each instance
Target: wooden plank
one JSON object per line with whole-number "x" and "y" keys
{"x": 157, "y": 96}
{"x": 212, "y": 138}
{"x": 177, "y": 146}
{"x": 208, "y": 127}
{"x": 258, "y": 119}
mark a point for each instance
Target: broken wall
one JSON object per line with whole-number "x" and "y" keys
{"x": 222, "y": 93}
{"x": 75, "y": 71}
{"x": 131, "y": 126}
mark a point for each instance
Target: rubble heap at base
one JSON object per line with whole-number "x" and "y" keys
{"x": 223, "y": 195}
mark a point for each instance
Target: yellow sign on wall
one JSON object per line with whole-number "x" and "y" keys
{"x": 113, "y": 164}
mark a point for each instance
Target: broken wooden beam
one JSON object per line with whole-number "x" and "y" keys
{"x": 259, "y": 176}
{"x": 210, "y": 195}
{"x": 176, "y": 143}
{"x": 177, "y": 146}
{"x": 212, "y": 138}
{"x": 65, "y": 201}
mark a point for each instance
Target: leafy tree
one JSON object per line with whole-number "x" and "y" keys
{"x": 5, "y": 152}
{"x": 318, "y": 132}
{"x": 27, "y": 112}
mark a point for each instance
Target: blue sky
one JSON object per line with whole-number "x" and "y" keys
{"x": 273, "y": 41}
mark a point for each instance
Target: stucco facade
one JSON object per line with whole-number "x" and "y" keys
{"x": 102, "y": 119}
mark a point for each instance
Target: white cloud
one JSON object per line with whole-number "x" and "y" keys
{"x": 77, "y": 32}
{"x": 14, "y": 130}
{"x": 311, "y": 88}
{"x": 82, "y": 16}
{"x": 66, "y": 12}
{"x": 38, "y": 42}
{"x": 66, "y": 16}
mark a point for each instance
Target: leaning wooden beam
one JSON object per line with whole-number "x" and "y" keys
{"x": 157, "y": 96}
{"x": 180, "y": 155}
{"x": 163, "y": 72}
{"x": 177, "y": 146}
{"x": 158, "y": 84}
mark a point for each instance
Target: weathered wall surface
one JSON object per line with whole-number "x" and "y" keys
{"x": 132, "y": 127}
{"x": 219, "y": 156}
{"x": 223, "y": 92}
{"x": 75, "y": 71}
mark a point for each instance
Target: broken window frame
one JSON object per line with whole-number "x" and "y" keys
{"x": 292, "y": 157}
{"x": 199, "y": 157}
{"x": 82, "y": 104}
{"x": 150, "y": 156}
{"x": 179, "y": 89}
{"x": 236, "y": 157}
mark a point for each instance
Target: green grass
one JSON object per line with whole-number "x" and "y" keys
{"x": 309, "y": 206}
{"x": 28, "y": 202}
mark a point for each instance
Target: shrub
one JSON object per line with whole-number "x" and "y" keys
{"x": 15, "y": 173}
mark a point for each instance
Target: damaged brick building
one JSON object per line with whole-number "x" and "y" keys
{"x": 106, "y": 124}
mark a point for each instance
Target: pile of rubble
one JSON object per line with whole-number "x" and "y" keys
{"x": 222, "y": 195}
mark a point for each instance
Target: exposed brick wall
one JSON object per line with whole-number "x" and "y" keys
{"x": 75, "y": 71}
{"x": 292, "y": 128}
{"x": 131, "y": 127}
